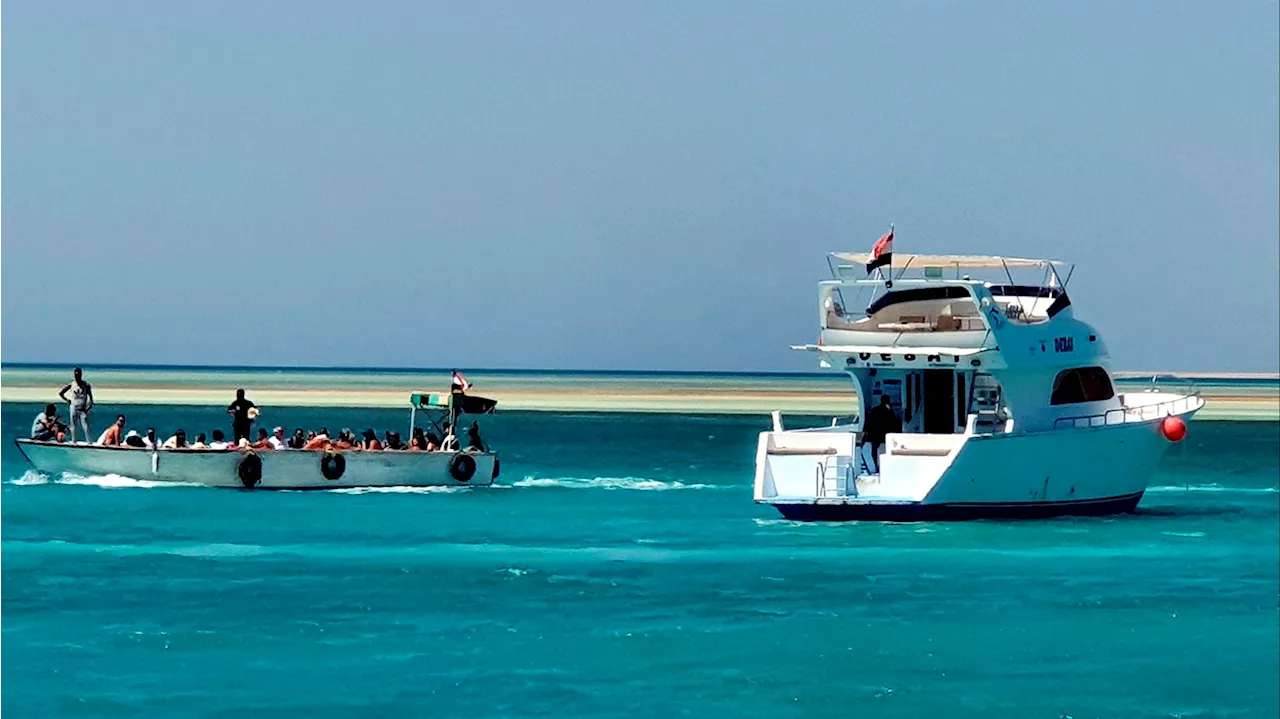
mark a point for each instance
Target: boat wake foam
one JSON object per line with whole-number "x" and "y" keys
{"x": 31, "y": 477}
{"x": 108, "y": 481}
{"x": 640, "y": 483}
{"x": 1211, "y": 488}
{"x": 398, "y": 490}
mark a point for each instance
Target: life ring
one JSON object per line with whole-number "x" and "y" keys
{"x": 332, "y": 464}
{"x": 495, "y": 469}
{"x": 250, "y": 470}
{"x": 462, "y": 467}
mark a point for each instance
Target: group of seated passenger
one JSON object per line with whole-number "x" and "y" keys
{"x": 48, "y": 427}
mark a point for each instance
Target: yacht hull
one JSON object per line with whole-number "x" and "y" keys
{"x": 1068, "y": 472}
{"x": 287, "y": 469}
{"x": 924, "y": 512}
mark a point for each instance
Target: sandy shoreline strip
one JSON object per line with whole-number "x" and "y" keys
{"x": 838, "y": 400}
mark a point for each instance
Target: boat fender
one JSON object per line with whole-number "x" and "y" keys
{"x": 462, "y": 467}
{"x": 332, "y": 464}
{"x": 495, "y": 469}
{"x": 250, "y": 469}
{"x": 1173, "y": 428}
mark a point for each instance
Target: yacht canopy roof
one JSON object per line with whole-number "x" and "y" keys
{"x": 919, "y": 261}
{"x": 892, "y": 350}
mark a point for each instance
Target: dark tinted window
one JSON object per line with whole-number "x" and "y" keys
{"x": 1082, "y": 384}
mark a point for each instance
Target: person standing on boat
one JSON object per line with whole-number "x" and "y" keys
{"x": 881, "y": 421}
{"x": 81, "y": 401}
{"x": 241, "y": 417}
{"x": 458, "y": 384}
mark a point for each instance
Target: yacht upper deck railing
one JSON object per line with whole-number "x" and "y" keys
{"x": 1138, "y": 413}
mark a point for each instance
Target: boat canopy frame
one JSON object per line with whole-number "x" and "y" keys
{"x": 450, "y": 404}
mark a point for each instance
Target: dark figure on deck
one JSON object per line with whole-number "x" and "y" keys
{"x": 417, "y": 440}
{"x": 298, "y": 440}
{"x": 880, "y": 421}
{"x": 473, "y": 438}
{"x": 241, "y": 422}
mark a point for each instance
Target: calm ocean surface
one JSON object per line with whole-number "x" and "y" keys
{"x": 626, "y": 572}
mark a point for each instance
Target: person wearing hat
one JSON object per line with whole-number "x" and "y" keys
{"x": 277, "y": 440}
{"x": 133, "y": 439}
{"x": 370, "y": 440}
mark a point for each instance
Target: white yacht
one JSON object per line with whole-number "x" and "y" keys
{"x": 1003, "y": 405}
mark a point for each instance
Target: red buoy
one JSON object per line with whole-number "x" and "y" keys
{"x": 1173, "y": 428}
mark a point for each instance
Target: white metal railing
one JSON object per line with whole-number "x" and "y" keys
{"x": 1141, "y": 413}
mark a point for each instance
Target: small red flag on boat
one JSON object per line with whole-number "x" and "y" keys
{"x": 882, "y": 253}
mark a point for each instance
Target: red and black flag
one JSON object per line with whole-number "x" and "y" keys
{"x": 882, "y": 253}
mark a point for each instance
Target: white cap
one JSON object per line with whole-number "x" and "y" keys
{"x": 132, "y": 433}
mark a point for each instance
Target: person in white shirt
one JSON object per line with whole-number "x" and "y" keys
{"x": 277, "y": 439}
{"x": 449, "y": 443}
{"x": 177, "y": 441}
{"x": 219, "y": 440}
{"x": 151, "y": 441}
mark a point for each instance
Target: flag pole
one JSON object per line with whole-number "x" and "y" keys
{"x": 888, "y": 281}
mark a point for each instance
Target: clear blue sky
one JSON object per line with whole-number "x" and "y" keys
{"x": 620, "y": 185}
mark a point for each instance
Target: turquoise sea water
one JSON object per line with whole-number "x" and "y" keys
{"x": 625, "y": 571}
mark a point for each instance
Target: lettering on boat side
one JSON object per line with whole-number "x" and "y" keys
{"x": 906, "y": 361}
{"x": 1063, "y": 344}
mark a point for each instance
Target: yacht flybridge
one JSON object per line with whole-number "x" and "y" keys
{"x": 1002, "y": 402}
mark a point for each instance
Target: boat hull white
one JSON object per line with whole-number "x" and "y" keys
{"x": 287, "y": 469}
{"x": 1085, "y": 471}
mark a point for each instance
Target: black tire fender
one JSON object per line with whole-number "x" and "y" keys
{"x": 462, "y": 467}
{"x": 249, "y": 470}
{"x": 332, "y": 464}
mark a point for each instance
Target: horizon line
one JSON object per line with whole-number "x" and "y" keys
{"x": 1127, "y": 374}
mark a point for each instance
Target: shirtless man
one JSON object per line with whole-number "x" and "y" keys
{"x": 113, "y": 435}
{"x": 81, "y": 401}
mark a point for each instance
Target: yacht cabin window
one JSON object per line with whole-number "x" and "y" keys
{"x": 1081, "y": 384}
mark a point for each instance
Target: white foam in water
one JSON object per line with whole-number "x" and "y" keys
{"x": 398, "y": 490}
{"x": 31, "y": 477}
{"x": 1209, "y": 488}
{"x": 608, "y": 483}
{"x": 115, "y": 481}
